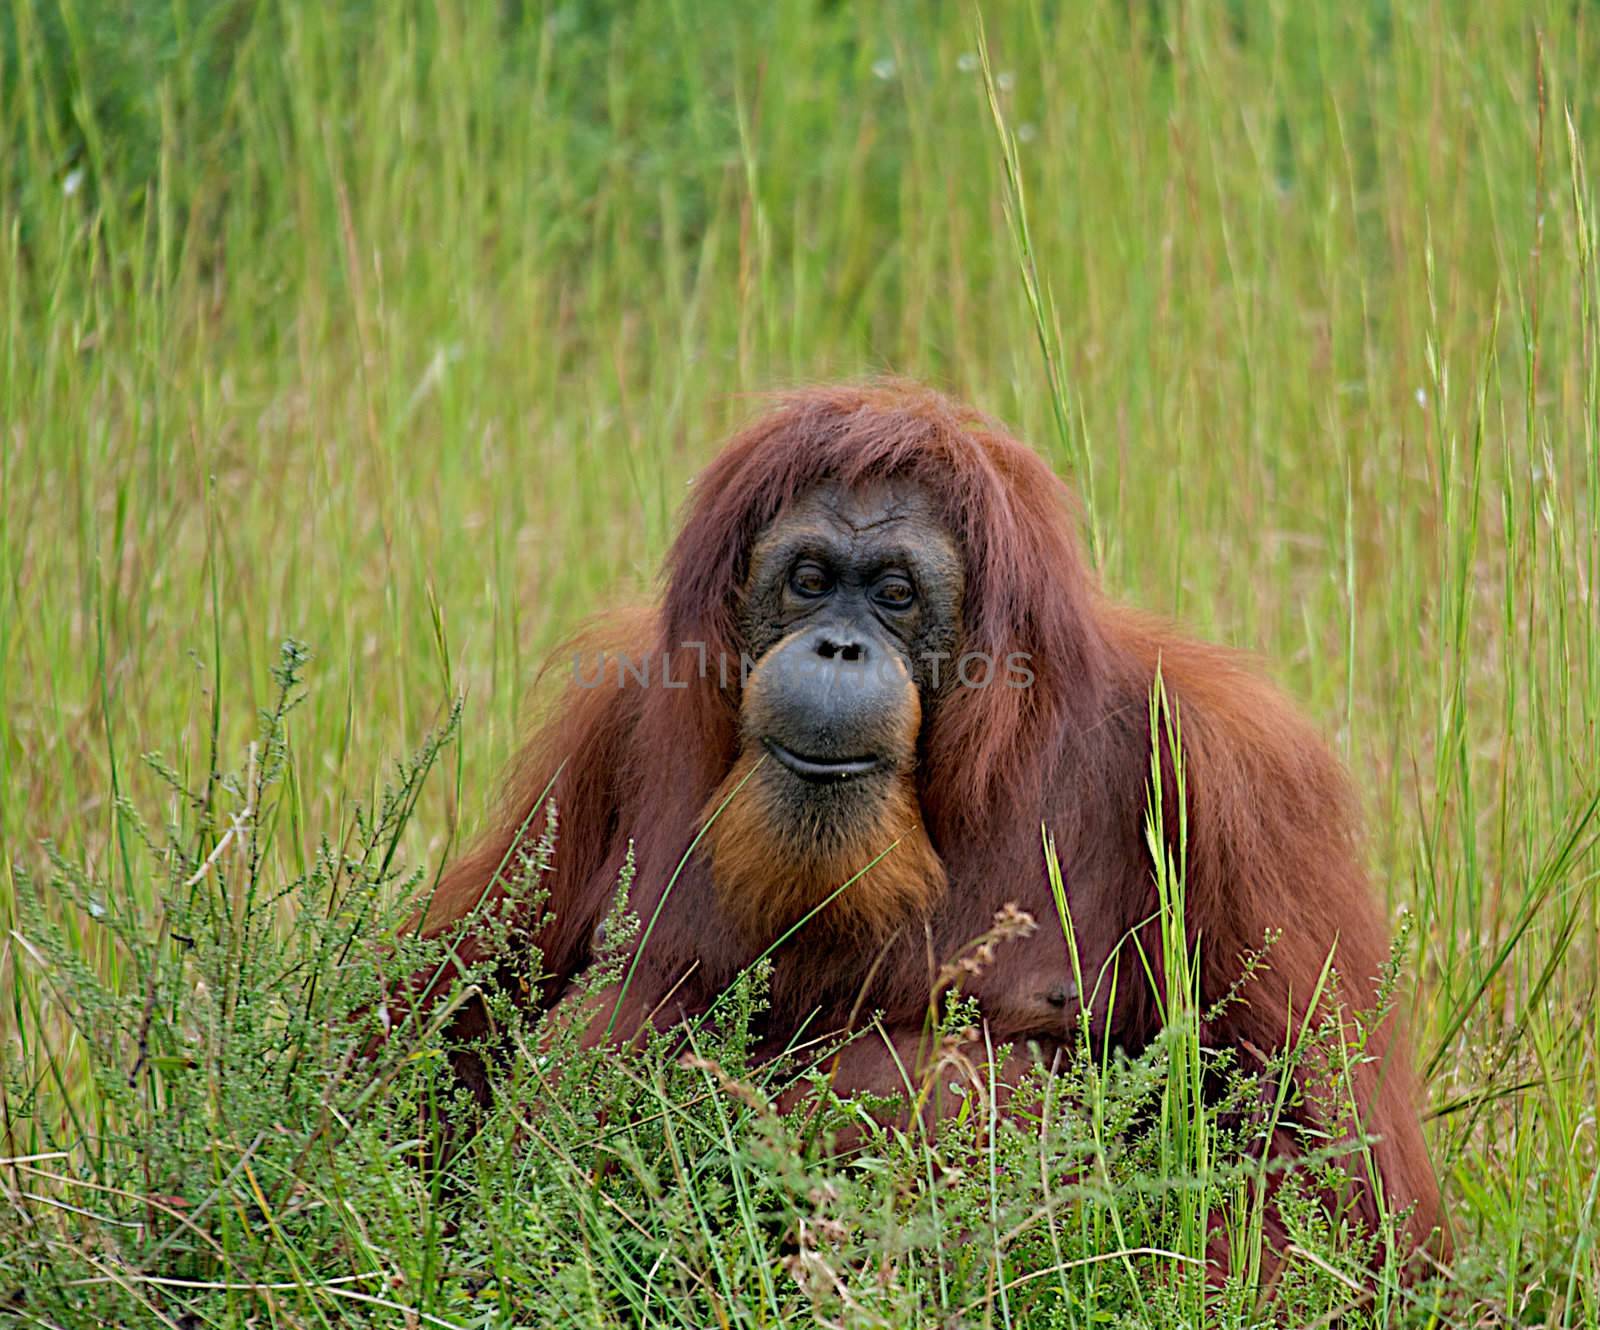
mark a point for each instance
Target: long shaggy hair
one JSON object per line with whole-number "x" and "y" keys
{"x": 1272, "y": 843}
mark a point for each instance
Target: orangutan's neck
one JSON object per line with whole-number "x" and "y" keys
{"x": 772, "y": 865}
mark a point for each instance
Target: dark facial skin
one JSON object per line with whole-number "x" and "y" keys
{"x": 852, "y": 609}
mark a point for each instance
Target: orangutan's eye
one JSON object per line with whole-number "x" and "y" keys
{"x": 810, "y": 580}
{"x": 894, "y": 593}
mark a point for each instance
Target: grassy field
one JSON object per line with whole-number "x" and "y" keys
{"x": 398, "y": 331}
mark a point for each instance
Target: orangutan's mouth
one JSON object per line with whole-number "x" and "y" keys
{"x": 822, "y": 768}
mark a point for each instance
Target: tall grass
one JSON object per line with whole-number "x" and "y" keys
{"x": 400, "y": 329}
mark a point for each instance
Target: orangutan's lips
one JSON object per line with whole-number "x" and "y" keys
{"x": 821, "y": 768}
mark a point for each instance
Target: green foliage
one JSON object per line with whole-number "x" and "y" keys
{"x": 226, "y": 1060}
{"x": 261, "y": 1128}
{"x": 261, "y": 1131}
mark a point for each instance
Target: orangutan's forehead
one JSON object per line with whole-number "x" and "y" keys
{"x": 876, "y": 522}
{"x": 851, "y": 510}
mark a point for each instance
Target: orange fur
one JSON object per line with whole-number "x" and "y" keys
{"x": 1273, "y": 840}
{"x": 766, "y": 883}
